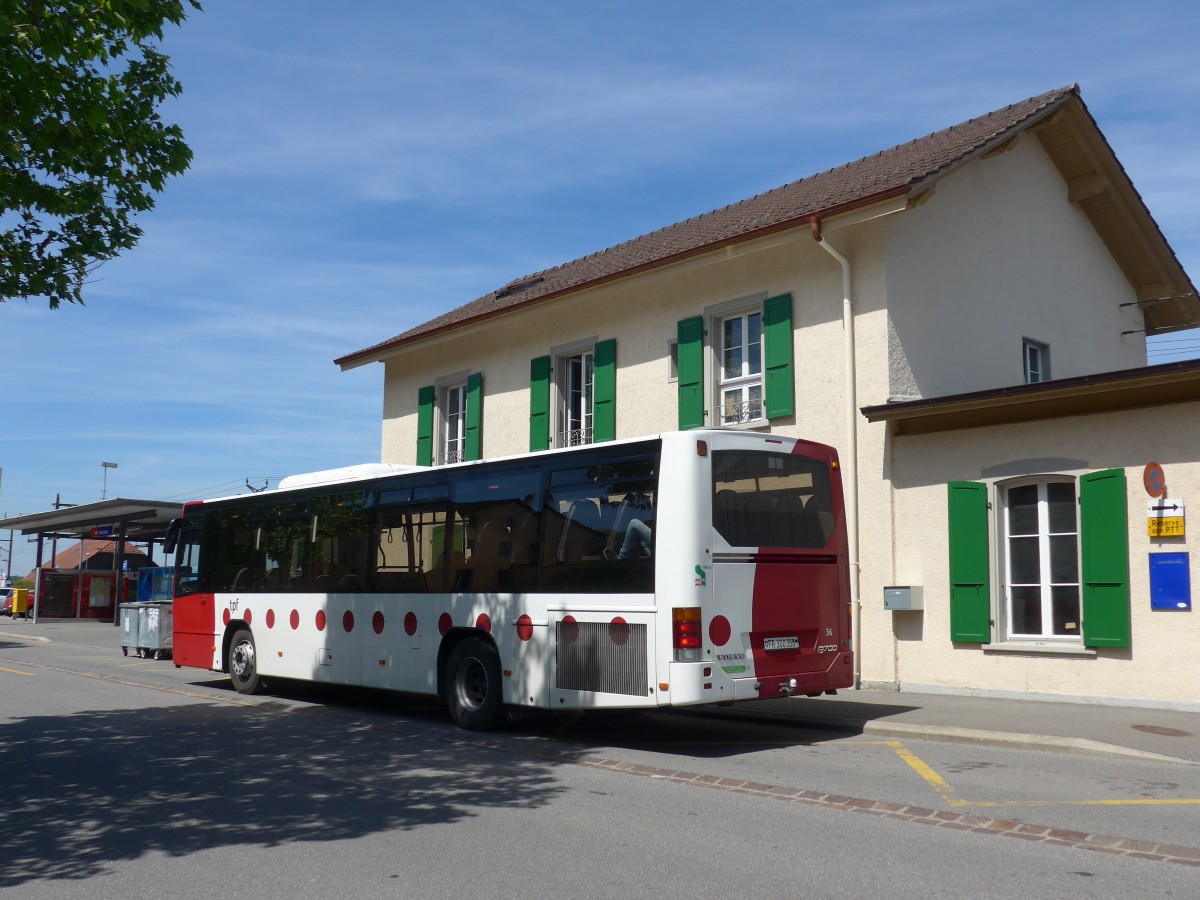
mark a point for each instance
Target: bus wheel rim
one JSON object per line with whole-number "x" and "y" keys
{"x": 243, "y": 659}
{"x": 471, "y": 684}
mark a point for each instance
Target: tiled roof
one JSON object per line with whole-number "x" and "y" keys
{"x": 888, "y": 173}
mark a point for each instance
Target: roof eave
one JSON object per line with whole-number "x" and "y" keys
{"x": 1106, "y": 392}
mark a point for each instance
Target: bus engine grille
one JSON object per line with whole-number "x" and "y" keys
{"x": 605, "y": 657}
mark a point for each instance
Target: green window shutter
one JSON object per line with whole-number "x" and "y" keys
{"x": 425, "y": 400}
{"x": 539, "y": 404}
{"x": 604, "y": 391}
{"x": 690, "y": 355}
{"x": 474, "y": 435}
{"x": 1104, "y": 547}
{"x": 970, "y": 583}
{"x": 779, "y": 383}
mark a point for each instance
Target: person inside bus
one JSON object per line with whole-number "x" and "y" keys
{"x": 636, "y": 544}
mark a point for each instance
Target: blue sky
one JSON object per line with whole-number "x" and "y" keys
{"x": 363, "y": 166}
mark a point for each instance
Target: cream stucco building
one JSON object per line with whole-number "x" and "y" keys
{"x": 965, "y": 291}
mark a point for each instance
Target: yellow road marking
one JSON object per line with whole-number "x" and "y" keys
{"x": 932, "y": 778}
{"x": 15, "y": 672}
{"x": 943, "y": 788}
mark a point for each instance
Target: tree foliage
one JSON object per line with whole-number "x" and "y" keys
{"x": 82, "y": 146}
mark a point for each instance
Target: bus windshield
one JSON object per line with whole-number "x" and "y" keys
{"x": 772, "y": 500}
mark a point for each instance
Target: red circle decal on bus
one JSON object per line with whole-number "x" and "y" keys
{"x": 377, "y": 622}
{"x": 618, "y": 630}
{"x": 225, "y": 616}
{"x": 569, "y": 629}
{"x": 524, "y": 627}
{"x": 410, "y": 623}
{"x": 719, "y": 631}
{"x": 320, "y": 620}
{"x": 270, "y": 618}
{"x": 484, "y": 622}
{"x": 295, "y": 619}
{"x": 348, "y": 621}
{"x": 247, "y": 617}
{"x": 444, "y": 622}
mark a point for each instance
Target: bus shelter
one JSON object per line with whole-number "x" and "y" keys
{"x": 63, "y": 591}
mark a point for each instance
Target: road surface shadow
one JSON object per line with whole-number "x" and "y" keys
{"x": 85, "y": 790}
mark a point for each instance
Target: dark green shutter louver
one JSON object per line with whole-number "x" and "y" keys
{"x": 539, "y": 404}
{"x": 690, "y": 365}
{"x": 604, "y": 391}
{"x": 779, "y": 384}
{"x": 425, "y": 400}
{"x": 970, "y": 583}
{"x": 1104, "y": 548}
{"x": 474, "y": 434}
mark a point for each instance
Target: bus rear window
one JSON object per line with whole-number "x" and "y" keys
{"x": 772, "y": 500}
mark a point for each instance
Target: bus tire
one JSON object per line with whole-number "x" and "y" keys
{"x": 243, "y": 663}
{"x": 473, "y": 690}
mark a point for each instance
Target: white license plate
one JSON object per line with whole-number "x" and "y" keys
{"x": 781, "y": 643}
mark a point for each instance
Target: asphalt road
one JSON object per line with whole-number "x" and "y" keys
{"x": 126, "y": 777}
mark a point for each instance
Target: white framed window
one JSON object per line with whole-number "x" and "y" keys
{"x": 1037, "y": 361}
{"x": 1040, "y": 564}
{"x": 739, "y": 367}
{"x": 452, "y": 423}
{"x": 574, "y": 393}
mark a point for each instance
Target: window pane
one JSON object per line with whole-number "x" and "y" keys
{"x": 731, "y": 406}
{"x": 754, "y": 408}
{"x": 1022, "y": 510}
{"x": 1061, "y": 500}
{"x": 1023, "y": 561}
{"x": 1066, "y": 609}
{"x": 1027, "y": 610}
{"x": 754, "y": 343}
{"x": 732, "y": 351}
{"x": 1064, "y": 559}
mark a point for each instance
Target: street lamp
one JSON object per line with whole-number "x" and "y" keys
{"x": 104, "y": 490}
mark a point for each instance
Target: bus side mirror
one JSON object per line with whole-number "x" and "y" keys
{"x": 171, "y": 538}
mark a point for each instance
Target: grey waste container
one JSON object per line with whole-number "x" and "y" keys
{"x": 129, "y": 626}
{"x": 156, "y": 625}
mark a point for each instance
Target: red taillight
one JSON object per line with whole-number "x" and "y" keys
{"x": 687, "y": 633}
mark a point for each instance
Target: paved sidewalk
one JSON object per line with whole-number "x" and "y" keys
{"x": 1126, "y": 731}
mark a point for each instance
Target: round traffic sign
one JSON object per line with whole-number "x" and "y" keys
{"x": 1155, "y": 480}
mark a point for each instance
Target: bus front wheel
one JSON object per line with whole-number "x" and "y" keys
{"x": 472, "y": 681}
{"x": 243, "y": 664}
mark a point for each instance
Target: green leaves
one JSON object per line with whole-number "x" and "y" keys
{"x": 82, "y": 147}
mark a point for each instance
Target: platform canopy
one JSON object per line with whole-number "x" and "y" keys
{"x": 144, "y": 520}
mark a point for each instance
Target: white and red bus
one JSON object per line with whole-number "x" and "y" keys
{"x": 689, "y": 568}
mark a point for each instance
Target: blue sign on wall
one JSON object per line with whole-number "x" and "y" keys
{"x": 1170, "y": 583}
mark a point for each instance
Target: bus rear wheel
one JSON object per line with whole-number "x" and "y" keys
{"x": 243, "y": 663}
{"x": 472, "y": 681}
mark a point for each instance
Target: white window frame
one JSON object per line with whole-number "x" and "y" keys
{"x": 449, "y": 430}
{"x": 1035, "y": 358}
{"x": 1046, "y": 583}
{"x": 717, "y": 386}
{"x": 573, "y": 428}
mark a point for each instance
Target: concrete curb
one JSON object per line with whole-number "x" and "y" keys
{"x": 25, "y": 637}
{"x": 952, "y": 734}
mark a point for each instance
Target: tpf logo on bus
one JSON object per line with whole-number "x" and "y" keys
{"x": 702, "y": 579}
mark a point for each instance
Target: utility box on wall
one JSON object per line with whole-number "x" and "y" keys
{"x": 902, "y": 598}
